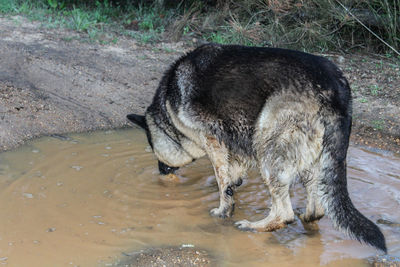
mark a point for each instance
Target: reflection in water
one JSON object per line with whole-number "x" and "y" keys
{"x": 86, "y": 199}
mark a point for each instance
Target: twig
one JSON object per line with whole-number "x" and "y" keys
{"x": 295, "y": 42}
{"x": 368, "y": 29}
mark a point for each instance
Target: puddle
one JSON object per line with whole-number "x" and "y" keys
{"x": 86, "y": 200}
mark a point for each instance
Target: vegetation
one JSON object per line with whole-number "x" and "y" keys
{"x": 100, "y": 20}
{"x": 310, "y": 25}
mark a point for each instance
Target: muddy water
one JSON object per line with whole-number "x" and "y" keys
{"x": 85, "y": 200}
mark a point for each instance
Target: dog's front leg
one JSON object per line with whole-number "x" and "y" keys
{"x": 218, "y": 155}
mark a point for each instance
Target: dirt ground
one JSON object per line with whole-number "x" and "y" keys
{"x": 375, "y": 83}
{"x": 52, "y": 81}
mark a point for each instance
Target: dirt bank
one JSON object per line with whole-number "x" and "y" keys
{"x": 375, "y": 84}
{"x": 52, "y": 82}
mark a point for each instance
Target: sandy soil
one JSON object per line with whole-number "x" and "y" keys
{"x": 52, "y": 82}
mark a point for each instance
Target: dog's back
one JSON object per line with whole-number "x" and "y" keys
{"x": 227, "y": 87}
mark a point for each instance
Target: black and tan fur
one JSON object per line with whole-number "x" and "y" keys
{"x": 284, "y": 112}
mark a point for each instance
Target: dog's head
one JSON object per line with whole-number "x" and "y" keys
{"x": 169, "y": 152}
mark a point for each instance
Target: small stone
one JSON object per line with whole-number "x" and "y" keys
{"x": 78, "y": 168}
{"x": 384, "y": 261}
{"x": 187, "y": 245}
{"x": 387, "y": 222}
{"x": 27, "y": 195}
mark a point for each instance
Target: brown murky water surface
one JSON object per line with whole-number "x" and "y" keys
{"x": 85, "y": 200}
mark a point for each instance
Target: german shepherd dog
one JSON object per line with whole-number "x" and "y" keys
{"x": 284, "y": 112}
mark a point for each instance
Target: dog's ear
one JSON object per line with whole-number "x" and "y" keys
{"x": 139, "y": 120}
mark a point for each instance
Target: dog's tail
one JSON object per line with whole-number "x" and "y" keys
{"x": 335, "y": 197}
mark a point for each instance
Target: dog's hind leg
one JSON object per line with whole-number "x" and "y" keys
{"x": 281, "y": 212}
{"x": 218, "y": 155}
{"x": 314, "y": 209}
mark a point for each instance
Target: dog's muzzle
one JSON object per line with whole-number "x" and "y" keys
{"x": 165, "y": 169}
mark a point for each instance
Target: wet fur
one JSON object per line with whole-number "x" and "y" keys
{"x": 284, "y": 112}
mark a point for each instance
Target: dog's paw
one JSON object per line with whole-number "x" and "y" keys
{"x": 221, "y": 212}
{"x": 313, "y": 218}
{"x": 244, "y": 225}
{"x": 311, "y": 226}
{"x": 265, "y": 225}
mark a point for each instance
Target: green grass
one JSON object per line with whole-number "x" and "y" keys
{"x": 143, "y": 37}
{"x": 97, "y": 20}
{"x": 378, "y": 124}
{"x": 218, "y": 37}
{"x": 307, "y": 25}
{"x": 375, "y": 89}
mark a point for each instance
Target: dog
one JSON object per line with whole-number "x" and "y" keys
{"x": 285, "y": 112}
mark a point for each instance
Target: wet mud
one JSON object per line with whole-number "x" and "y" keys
{"x": 97, "y": 200}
